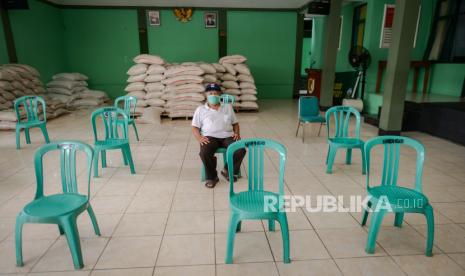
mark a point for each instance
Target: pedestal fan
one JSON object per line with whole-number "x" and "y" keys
{"x": 360, "y": 59}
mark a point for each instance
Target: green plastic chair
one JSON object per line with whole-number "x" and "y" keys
{"x": 224, "y": 99}
{"x": 341, "y": 138}
{"x": 251, "y": 204}
{"x": 111, "y": 117}
{"x": 309, "y": 112}
{"x": 30, "y": 104}
{"x": 129, "y": 106}
{"x": 401, "y": 199}
{"x": 61, "y": 209}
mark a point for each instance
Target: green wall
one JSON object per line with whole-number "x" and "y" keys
{"x": 38, "y": 37}
{"x": 3, "y": 50}
{"x": 268, "y": 40}
{"x": 179, "y": 42}
{"x": 306, "y": 50}
{"x": 101, "y": 43}
{"x": 318, "y": 35}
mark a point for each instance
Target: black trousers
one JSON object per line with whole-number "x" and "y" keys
{"x": 207, "y": 154}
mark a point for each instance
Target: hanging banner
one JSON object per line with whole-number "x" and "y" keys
{"x": 388, "y": 22}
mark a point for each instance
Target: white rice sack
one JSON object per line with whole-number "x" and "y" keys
{"x": 150, "y": 115}
{"x": 196, "y": 97}
{"x": 66, "y": 84}
{"x": 78, "y": 89}
{"x": 17, "y": 85}
{"x": 141, "y": 103}
{"x": 31, "y": 70}
{"x": 5, "y": 125}
{"x": 155, "y": 102}
{"x": 148, "y": 59}
{"x": 184, "y": 79}
{"x": 232, "y": 91}
{"x": 249, "y": 91}
{"x": 247, "y": 85}
{"x": 8, "y": 96}
{"x": 172, "y": 104}
{"x": 21, "y": 71}
{"x": 154, "y": 78}
{"x": 230, "y": 69}
{"x": 185, "y": 88}
{"x": 153, "y": 95}
{"x": 5, "y": 75}
{"x": 168, "y": 96}
{"x": 242, "y": 69}
{"x": 189, "y": 63}
{"x": 60, "y": 90}
{"x": 18, "y": 93}
{"x": 8, "y": 116}
{"x": 66, "y": 99}
{"x": 154, "y": 86}
{"x": 208, "y": 68}
{"x": 219, "y": 68}
{"x": 140, "y": 95}
{"x": 137, "y": 78}
{"x": 184, "y": 70}
{"x": 248, "y": 97}
{"x": 135, "y": 86}
{"x": 70, "y": 76}
{"x": 39, "y": 90}
{"x": 245, "y": 78}
{"x": 91, "y": 102}
{"x": 234, "y": 59}
{"x": 137, "y": 69}
{"x": 230, "y": 85}
{"x": 228, "y": 77}
{"x": 6, "y": 85}
{"x": 248, "y": 105}
{"x": 94, "y": 94}
{"x": 210, "y": 78}
{"x": 155, "y": 69}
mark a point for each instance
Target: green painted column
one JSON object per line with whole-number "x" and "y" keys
{"x": 330, "y": 54}
{"x": 398, "y": 64}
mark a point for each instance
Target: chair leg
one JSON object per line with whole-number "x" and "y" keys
{"x": 297, "y": 131}
{"x": 271, "y": 225}
{"x": 45, "y": 133}
{"x": 365, "y": 214}
{"x": 127, "y": 150}
{"x": 202, "y": 173}
{"x": 377, "y": 218}
{"x": 319, "y": 130}
{"x": 239, "y": 226}
{"x": 363, "y": 160}
{"x": 330, "y": 161}
{"x": 282, "y": 218}
{"x": 94, "y": 220}
{"x": 72, "y": 235}
{"x": 303, "y": 133}
{"x": 28, "y": 136}
{"x": 125, "y": 157}
{"x": 399, "y": 219}
{"x": 19, "y": 241}
{"x": 96, "y": 154}
{"x": 349, "y": 156}
{"x": 60, "y": 229}
{"x": 18, "y": 138}
{"x": 135, "y": 130}
{"x": 104, "y": 158}
{"x": 430, "y": 222}
{"x": 231, "y": 235}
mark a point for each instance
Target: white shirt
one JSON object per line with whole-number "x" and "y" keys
{"x": 215, "y": 123}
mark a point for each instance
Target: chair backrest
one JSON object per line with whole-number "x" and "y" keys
{"x": 255, "y": 150}
{"x": 112, "y": 117}
{"x": 68, "y": 150}
{"x": 30, "y": 104}
{"x": 227, "y": 99}
{"x": 129, "y": 104}
{"x": 391, "y": 158}
{"x": 308, "y": 106}
{"x": 342, "y": 116}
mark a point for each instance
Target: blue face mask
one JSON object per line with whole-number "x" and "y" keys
{"x": 213, "y": 99}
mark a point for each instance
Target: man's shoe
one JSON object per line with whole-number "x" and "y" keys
{"x": 211, "y": 183}
{"x": 226, "y": 175}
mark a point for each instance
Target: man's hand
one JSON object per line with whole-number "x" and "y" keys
{"x": 203, "y": 140}
{"x": 236, "y": 136}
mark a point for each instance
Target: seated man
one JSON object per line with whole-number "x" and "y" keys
{"x": 215, "y": 125}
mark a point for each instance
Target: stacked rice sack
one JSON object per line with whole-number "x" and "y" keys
{"x": 184, "y": 89}
{"x": 238, "y": 81}
{"x": 16, "y": 80}
{"x": 145, "y": 82}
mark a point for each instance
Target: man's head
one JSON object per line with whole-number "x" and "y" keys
{"x": 213, "y": 92}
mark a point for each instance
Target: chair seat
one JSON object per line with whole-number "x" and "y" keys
{"x": 252, "y": 201}
{"x": 312, "y": 119}
{"x": 55, "y": 205}
{"x": 400, "y": 197}
{"x": 30, "y": 124}
{"x": 111, "y": 143}
{"x": 350, "y": 142}
{"x": 221, "y": 150}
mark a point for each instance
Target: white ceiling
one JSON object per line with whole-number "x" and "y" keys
{"x": 263, "y": 4}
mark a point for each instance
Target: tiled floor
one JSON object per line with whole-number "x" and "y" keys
{"x": 162, "y": 221}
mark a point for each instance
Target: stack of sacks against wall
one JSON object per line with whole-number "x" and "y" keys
{"x": 16, "y": 80}
{"x": 71, "y": 90}
{"x": 184, "y": 89}
{"x": 238, "y": 81}
{"x": 145, "y": 82}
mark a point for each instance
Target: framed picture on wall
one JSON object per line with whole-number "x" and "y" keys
{"x": 154, "y": 18}
{"x": 210, "y": 19}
